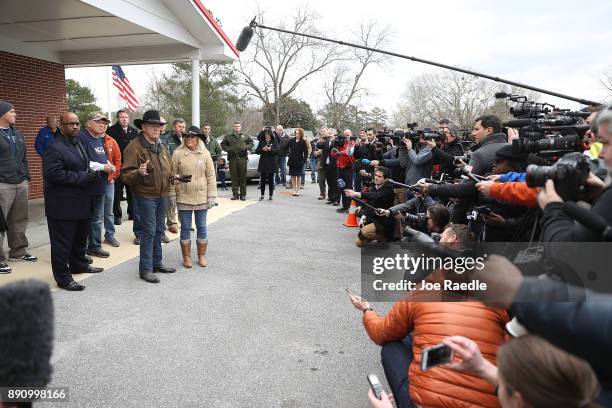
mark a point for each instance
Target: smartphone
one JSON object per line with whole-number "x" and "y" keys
{"x": 436, "y": 355}
{"x": 375, "y": 385}
{"x": 351, "y": 293}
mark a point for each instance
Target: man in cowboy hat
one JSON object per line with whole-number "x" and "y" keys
{"x": 147, "y": 169}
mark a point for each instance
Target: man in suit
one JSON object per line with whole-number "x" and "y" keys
{"x": 123, "y": 134}
{"x": 68, "y": 203}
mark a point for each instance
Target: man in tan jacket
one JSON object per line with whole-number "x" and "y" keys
{"x": 147, "y": 169}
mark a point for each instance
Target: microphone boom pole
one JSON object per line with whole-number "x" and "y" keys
{"x": 254, "y": 24}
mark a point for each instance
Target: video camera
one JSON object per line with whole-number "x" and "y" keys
{"x": 569, "y": 174}
{"x": 543, "y": 128}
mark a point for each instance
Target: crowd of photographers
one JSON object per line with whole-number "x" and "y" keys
{"x": 509, "y": 183}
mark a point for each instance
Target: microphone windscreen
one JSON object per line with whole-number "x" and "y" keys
{"x": 244, "y": 38}
{"x": 341, "y": 184}
{"x": 501, "y": 95}
{"x": 26, "y": 334}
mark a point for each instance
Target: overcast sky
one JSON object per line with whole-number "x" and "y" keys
{"x": 558, "y": 45}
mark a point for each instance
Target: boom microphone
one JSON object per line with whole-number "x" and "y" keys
{"x": 26, "y": 334}
{"x": 245, "y": 36}
{"x": 589, "y": 219}
{"x": 502, "y": 95}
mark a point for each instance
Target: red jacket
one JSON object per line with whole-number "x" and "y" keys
{"x": 429, "y": 323}
{"x": 342, "y": 160}
{"x": 113, "y": 154}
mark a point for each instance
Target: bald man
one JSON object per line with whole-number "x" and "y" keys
{"x": 68, "y": 206}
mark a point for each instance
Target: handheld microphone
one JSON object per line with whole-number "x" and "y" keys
{"x": 26, "y": 334}
{"x": 589, "y": 219}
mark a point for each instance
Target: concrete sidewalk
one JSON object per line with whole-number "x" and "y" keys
{"x": 267, "y": 324}
{"x": 38, "y": 237}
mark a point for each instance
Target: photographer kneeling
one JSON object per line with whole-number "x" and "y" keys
{"x": 415, "y": 323}
{"x": 373, "y": 226}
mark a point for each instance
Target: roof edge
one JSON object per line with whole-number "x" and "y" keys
{"x": 216, "y": 26}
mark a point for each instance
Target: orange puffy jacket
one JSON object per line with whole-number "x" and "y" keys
{"x": 515, "y": 193}
{"x": 430, "y": 322}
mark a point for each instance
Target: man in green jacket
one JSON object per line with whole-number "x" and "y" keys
{"x": 213, "y": 147}
{"x": 237, "y": 146}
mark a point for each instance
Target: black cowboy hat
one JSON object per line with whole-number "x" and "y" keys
{"x": 151, "y": 116}
{"x": 193, "y": 130}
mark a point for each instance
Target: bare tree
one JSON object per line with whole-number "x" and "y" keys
{"x": 153, "y": 98}
{"x": 606, "y": 79}
{"x": 345, "y": 83}
{"x": 452, "y": 95}
{"x": 280, "y": 62}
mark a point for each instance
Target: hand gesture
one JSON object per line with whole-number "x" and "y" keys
{"x": 359, "y": 302}
{"x": 109, "y": 168}
{"x": 494, "y": 219}
{"x": 470, "y": 358}
{"x": 431, "y": 143}
{"x": 142, "y": 169}
{"x": 408, "y": 143}
{"x": 374, "y": 163}
{"x": 484, "y": 188}
{"x": 385, "y": 401}
{"x": 548, "y": 195}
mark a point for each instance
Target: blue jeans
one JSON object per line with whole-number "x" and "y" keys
{"x": 222, "y": 178}
{"x": 94, "y": 238}
{"x": 200, "y": 220}
{"x": 396, "y": 358}
{"x": 109, "y": 217}
{"x": 313, "y": 169}
{"x": 152, "y": 214}
{"x": 281, "y": 162}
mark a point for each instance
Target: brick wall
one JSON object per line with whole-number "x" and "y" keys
{"x": 36, "y": 88}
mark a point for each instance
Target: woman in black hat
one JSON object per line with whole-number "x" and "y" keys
{"x": 267, "y": 149}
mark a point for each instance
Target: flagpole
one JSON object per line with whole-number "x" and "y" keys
{"x": 109, "y": 80}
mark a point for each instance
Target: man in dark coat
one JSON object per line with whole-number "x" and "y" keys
{"x": 123, "y": 134}
{"x": 68, "y": 203}
{"x": 14, "y": 179}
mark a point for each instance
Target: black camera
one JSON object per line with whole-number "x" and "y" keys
{"x": 547, "y": 145}
{"x": 186, "y": 178}
{"x": 569, "y": 174}
{"x": 417, "y": 221}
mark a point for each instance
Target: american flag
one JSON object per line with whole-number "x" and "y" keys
{"x": 125, "y": 90}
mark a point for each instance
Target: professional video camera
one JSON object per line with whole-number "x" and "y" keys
{"x": 415, "y": 134}
{"x": 544, "y": 128}
{"x": 569, "y": 174}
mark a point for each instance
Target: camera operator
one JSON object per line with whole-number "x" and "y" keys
{"x": 342, "y": 151}
{"x": 375, "y": 227}
{"x": 487, "y": 133}
{"x": 414, "y": 324}
{"x": 365, "y": 149}
{"x": 328, "y": 163}
{"x": 558, "y": 227}
{"x": 417, "y": 160}
{"x": 503, "y": 220}
{"x": 445, "y": 155}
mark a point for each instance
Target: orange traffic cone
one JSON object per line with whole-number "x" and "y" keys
{"x": 351, "y": 218}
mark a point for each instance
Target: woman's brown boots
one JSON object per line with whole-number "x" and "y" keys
{"x": 202, "y": 245}
{"x": 186, "y": 251}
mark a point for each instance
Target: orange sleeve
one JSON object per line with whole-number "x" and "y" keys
{"x": 515, "y": 193}
{"x": 394, "y": 326}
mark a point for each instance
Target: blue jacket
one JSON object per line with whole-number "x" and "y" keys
{"x": 512, "y": 176}
{"x": 67, "y": 192}
{"x": 44, "y": 137}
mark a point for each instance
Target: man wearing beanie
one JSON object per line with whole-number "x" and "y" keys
{"x": 14, "y": 179}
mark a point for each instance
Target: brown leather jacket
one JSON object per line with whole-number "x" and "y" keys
{"x": 156, "y": 183}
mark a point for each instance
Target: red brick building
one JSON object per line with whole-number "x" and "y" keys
{"x": 36, "y": 88}
{"x": 39, "y": 38}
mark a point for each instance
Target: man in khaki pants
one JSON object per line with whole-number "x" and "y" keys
{"x": 14, "y": 176}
